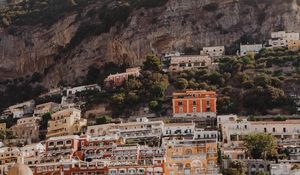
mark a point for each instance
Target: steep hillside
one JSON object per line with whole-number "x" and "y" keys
{"x": 62, "y": 41}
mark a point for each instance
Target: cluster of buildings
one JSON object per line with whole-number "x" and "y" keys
{"x": 189, "y": 143}
{"x": 143, "y": 146}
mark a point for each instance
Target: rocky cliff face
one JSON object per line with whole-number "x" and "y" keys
{"x": 177, "y": 25}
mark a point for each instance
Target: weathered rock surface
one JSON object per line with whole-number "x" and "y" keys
{"x": 177, "y": 25}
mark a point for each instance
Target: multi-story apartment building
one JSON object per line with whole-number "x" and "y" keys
{"x": 214, "y": 51}
{"x": 282, "y": 38}
{"x": 235, "y": 129}
{"x": 62, "y": 148}
{"x": 19, "y": 110}
{"x": 191, "y": 159}
{"x": 27, "y": 128}
{"x": 178, "y": 129}
{"x": 294, "y": 45}
{"x": 44, "y": 108}
{"x": 134, "y": 132}
{"x": 65, "y": 122}
{"x": 100, "y": 148}
{"x": 119, "y": 78}
{"x": 32, "y": 153}
{"x": 250, "y": 49}
{"x": 70, "y": 167}
{"x": 186, "y": 62}
{"x": 194, "y": 103}
{"x": 9, "y": 155}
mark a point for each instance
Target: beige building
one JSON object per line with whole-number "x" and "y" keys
{"x": 191, "y": 159}
{"x": 186, "y": 62}
{"x": 2, "y": 126}
{"x": 214, "y": 51}
{"x": 9, "y": 155}
{"x": 32, "y": 153}
{"x": 294, "y": 45}
{"x": 27, "y": 129}
{"x": 41, "y": 109}
{"x": 65, "y": 122}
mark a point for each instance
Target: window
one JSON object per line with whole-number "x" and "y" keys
{"x": 194, "y": 109}
{"x": 284, "y": 130}
{"x": 180, "y": 110}
{"x": 180, "y": 103}
{"x": 265, "y": 129}
{"x": 274, "y": 130}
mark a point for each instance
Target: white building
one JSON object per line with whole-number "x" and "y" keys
{"x": 283, "y": 169}
{"x": 9, "y": 155}
{"x": 281, "y": 38}
{"x": 250, "y": 48}
{"x": 235, "y": 129}
{"x": 133, "y": 131}
{"x": 186, "y": 62}
{"x": 214, "y": 51}
{"x": 173, "y": 129}
{"x": 19, "y": 110}
{"x": 32, "y": 153}
{"x": 74, "y": 90}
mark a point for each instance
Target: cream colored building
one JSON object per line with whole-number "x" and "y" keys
{"x": 187, "y": 62}
{"x": 235, "y": 129}
{"x": 65, "y": 122}
{"x": 27, "y": 129}
{"x": 32, "y": 153}
{"x": 250, "y": 49}
{"x": 191, "y": 159}
{"x": 214, "y": 51}
{"x": 44, "y": 108}
{"x": 132, "y": 131}
{"x": 282, "y": 38}
{"x": 9, "y": 155}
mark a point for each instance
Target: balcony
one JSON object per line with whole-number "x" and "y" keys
{"x": 194, "y": 156}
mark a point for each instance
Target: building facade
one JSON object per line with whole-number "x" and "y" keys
{"x": 27, "y": 128}
{"x": 187, "y": 62}
{"x": 214, "y": 51}
{"x": 250, "y": 49}
{"x": 191, "y": 159}
{"x": 65, "y": 122}
{"x": 190, "y": 103}
{"x": 294, "y": 45}
{"x": 119, "y": 78}
{"x": 282, "y": 38}
{"x": 44, "y": 108}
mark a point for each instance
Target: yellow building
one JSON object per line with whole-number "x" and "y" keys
{"x": 191, "y": 159}
{"x": 65, "y": 122}
{"x": 2, "y": 126}
{"x": 294, "y": 45}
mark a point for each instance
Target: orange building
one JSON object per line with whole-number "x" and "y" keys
{"x": 194, "y": 103}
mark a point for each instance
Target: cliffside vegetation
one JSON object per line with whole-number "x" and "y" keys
{"x": 248, "y": 85}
